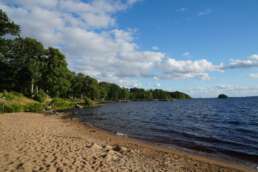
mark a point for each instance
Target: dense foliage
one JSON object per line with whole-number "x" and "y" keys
{"x": 29, "y": 68}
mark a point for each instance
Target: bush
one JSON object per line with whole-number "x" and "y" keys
{"x": 10, "y": 95}
{"x": 59, "y": 103}
{"x": 1, "y": 108}
{"x": 88, "y": 102}
{"x": 11, "y": 108}
{"x": 41, "y": 96}
{"x": 34, "y": 107}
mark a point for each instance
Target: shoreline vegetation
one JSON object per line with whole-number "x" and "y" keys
{"x": 42, "y": 74}
{"x": 59, "y": 143}
{"x": 17, "y": 102}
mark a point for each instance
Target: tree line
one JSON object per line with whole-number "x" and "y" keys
{"x": 28, "y": 67}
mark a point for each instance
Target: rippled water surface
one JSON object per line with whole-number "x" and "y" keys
{"x": 222, "y": 126}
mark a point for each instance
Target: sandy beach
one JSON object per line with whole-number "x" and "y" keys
{"x": 38, "y": 142}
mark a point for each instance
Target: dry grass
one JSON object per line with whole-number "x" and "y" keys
{"x": 15, "y": 98}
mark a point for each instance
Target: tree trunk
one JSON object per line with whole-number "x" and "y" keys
{"x": 37, "y": 89}
{"x": 32, "y": 88}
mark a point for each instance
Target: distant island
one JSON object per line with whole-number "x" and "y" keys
{"x": 222, "y": 96}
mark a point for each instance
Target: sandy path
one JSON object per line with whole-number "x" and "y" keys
{"x": 34, "y": 142}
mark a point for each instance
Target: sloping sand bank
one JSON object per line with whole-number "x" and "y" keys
{"x": 36, "y": 142}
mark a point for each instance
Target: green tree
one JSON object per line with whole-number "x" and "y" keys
{"x": 56, "y": 75}
{"x": 29, "y": 60}
{"x": 112, "y": 90}
{"x": 92, "y": 88}
{"x": 84, "y": 86}
{"x": 102, "y": 92}
{"x": 179, "y": 95}
{"x": 7, "y": 26}
{"x": 124, "y": 94}
{"x": 137, "y": 93}
{"x": 77, "y": 86}
{"x": 6, "y": 50}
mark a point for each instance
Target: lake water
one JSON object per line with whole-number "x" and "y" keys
{"x": 221, "y": 126}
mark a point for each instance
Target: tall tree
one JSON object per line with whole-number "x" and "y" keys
{"x": 124, "y": 94}
{"x": 84, "y": 86}
{"x": 92, "y": 88}
{"x": 56, "y": 75}
{"x": 6, "y": 51}
{"x": 78, "y": 88}
{"x": 7, "y": 26}
{"x": 29, "y": 61}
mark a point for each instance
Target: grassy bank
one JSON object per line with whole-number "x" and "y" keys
{"x": 17, "y": 102}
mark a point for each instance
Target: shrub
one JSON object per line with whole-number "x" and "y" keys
{"x": 88, "y": 102}
{"x": 34, "y": 107}
{"x": 41, "y": 96}
{"x": 10, "y": 95}
{"x": 11, "y": 108}
{"x": 1, "y": 108}
{"x": 59, "y": 103}
{"x": 16, "y": 102}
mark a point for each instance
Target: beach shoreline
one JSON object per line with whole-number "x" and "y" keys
{"x": 45, "y": 142}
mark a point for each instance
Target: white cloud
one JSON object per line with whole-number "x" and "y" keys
{"x": 155, "y": 48}
{"x": 158, "y": 84}
{"x": 204, "y": 12}
{"x": 155, "y": 78}
{"x": 181, "y": 9}
{"x": 93, "y": 44}
{"x": 254, "y": 75}
{"x": 249, "y": 62}
{"x": 186, "y": 69}
{"x": 187, "y": 53}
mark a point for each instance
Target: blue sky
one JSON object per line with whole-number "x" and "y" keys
{"x": 225, "y": 30}
{"x": 226, "y": 26}
{"x": 202, "y": 47}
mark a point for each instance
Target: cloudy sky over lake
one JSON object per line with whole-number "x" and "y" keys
{"x": 202, "y": 47}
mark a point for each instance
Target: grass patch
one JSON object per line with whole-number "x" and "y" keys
{"x": 34, "y": 107}
{"x": 11, "y": 108}
{"x": 61, "y": 104}
{"x": 41, "y": 96}
{"x": 88, "y": 102}
{"x": 10, "y": 95}
{"x": 15, "y": 98}
{"x": 17, "y": 102}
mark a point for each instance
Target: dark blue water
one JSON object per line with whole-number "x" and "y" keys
{"x": 221, "y": 126}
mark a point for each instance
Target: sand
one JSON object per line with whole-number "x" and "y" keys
{"x": 38, "y": 142}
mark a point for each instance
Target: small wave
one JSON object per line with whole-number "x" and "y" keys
{"x": 121, "y": 134}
